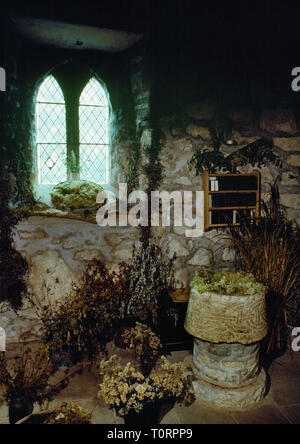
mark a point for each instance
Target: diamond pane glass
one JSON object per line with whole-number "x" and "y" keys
{"x": 52, "y": 167}
{"x": 93, "y": 94}
{"x": 93, "y": 133}
{"x": 93, "y": 163}
{"x": 51, "y": 133}
{"x": 50, "y": 91}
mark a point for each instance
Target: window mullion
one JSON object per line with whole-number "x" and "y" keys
{"x": 73, "y": 153}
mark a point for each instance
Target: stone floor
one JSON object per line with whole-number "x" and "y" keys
{"x": 280, "y": 406}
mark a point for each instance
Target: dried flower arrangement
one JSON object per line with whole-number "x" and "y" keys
{"x": 84, "y": 321}
{"x": 26, "y": 376}
{"x": 125, "y": 389}
{"x": 270, "y": 250}
{"x": 149, "y": 281}
{"x": 69, "y": 414}
{"x": 227, "y": 282}
{"x": 145, "y": 343}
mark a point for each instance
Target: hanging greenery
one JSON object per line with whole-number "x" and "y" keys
{"x": 133, "y": 168}
{"x": 257, "y": 153}
{"x": 15, "y": 191}
{"x": 13, "y": 267}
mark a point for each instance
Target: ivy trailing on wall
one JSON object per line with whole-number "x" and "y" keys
{"x": 257, "y": 153}
{"x": 15, "y": 191}
{"x": 13, "y": 267}
{"x": 133, "y": 168}
{"x": 153, "y": 167}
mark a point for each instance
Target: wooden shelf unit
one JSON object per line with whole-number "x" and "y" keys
{"x": 241, "y": 197}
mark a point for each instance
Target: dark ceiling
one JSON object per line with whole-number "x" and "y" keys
{"x": 216, "y": 22}
{"x": 243, "y": 41}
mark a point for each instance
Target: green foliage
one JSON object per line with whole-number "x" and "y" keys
{"x": 132, "y": 173}
{"x": 208, "y": 160}
{"x": 15, "y": 190}
{"x": 13, "y": 267}
{"x": 153, "y": 168}
{"x": 226, "y": 282}
{"x": 257, "y": 154}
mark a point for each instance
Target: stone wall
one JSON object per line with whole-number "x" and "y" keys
{"x": 180, "y": 139}
{"x": 58, "y": 251}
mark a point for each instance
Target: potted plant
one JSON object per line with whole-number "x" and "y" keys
{"x": 137, "y": 398}
{"x": 24, "y": 380}
{"x": 145, "y": 343}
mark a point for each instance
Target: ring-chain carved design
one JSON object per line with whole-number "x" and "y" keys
{"x": 223, "y": 318}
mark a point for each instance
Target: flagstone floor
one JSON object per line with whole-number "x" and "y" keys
{"x": 280, "y": 406}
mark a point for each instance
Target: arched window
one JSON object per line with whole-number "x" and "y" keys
{"x": 72, "y": 131}
{"x": 93, "y": 133}
{"x": 51, "y": 133}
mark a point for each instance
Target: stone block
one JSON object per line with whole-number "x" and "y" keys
{"x": 243, "y": 140}
{"x": 87, "y": 255}
{"x": 226, "y": 365}
{"x": 228, "y": 255}
{"x": 71, "y": 244}
{"x": 290, "y": 200}
{"x": 203, "y": 257}
{"x": 184, "y": 181}
{"x": 181, "y": 278}
{"x": 37, "y": 234}
{"x": 287, "y": 143}
{"x": 198, "y": 131}
{"x": 231, "y": 398}
{"x": 288, "y": 179}
{"x": 294, "y": 160}
{"x": 176, "y": 248}
{"x": 278, "y": 120}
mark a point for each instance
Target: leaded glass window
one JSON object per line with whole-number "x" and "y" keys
{"x": 93, "y": 133}
{"x": 57, "y": 131}
{"x": 51, "y": 133}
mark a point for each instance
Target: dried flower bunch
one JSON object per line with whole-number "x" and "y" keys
{"x": 149, "y": 281}
{"x": 69, "y": 414}
{"x": 227, "y": 282}
{"x": 26, "y": 376}
{"x": 172, "y": 381}
{"x": 144, "y": 342}
{"x": 84, "y": 320}
{"x": 125, "y": 388}
{"x": 270, "y": 249}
